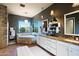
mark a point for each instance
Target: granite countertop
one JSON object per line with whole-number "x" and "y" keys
{"x": 67, "y": 40}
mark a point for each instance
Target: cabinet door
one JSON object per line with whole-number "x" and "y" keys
{"x": 41, "y": 41}
{"x": 73, "y": 50}
{"x": 52, "y": 43}
{"x": 62, "y": 49}
{"x": 48, "y": 44}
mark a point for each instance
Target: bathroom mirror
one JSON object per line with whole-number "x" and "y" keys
{"x": 71, "y": 23}
{"x": 45, "y": 26}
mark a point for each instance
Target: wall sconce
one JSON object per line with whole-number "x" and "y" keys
{"x": 26, "y": 21}
{"x": 75, "y": 4}
{"x": 42, "y": 17}
{"x": 52, "y": 12}
{"x": 22, "y": 5}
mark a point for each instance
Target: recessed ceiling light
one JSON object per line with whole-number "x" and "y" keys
{"x": 22, "y": 5}
{"x": 52, "y": 12}
{"x": 42, "y": 17}
{"x": 75, "y": 4}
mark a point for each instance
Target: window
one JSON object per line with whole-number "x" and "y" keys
{"x": 24, "y": 26}
{"x": 37, "y": 26}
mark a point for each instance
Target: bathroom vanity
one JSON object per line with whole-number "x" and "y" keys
{"x": 59, "y": 46}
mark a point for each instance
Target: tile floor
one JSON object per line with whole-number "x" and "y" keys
{"x": 11, "y": 50}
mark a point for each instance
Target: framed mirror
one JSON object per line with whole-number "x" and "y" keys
{"x": 45, "y": 26}
{"x": 71, "y": 23}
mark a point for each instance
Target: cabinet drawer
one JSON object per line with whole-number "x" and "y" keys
{"x": 62, "y": 43}
{"x": 52, "y": 40}
{"x": 74, "y": 47}
{"x": 51, "y": 50}
{"x": 52, "y": 45}
{"x": 48, "y": 41}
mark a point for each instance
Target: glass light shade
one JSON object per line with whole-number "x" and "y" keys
{"x": 52, "y": 12}
{"x": 42, "y": 17}
{"x": 75, "y": 4}
{"x": 26, "y": 21}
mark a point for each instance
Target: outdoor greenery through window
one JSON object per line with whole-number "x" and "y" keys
{"x": 24, "y": 26}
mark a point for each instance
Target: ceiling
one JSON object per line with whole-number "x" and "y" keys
{"x": 30, "y": 9}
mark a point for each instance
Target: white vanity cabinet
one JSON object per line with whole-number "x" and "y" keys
{"x": 73, "y": 50}
{"x": 38, "y": 40}
{"x": 51, "y": 46}
{"x": 48, "y": 44}
{"x": 58, "y": 48}
{"x": 62, "y": 48}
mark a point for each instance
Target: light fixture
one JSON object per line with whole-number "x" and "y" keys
{"x": 22, "y": 5}
{"x": 42, "y": 17}
{"x": 26, "y": 21}
{"x": 55, "y": 19}
{"x": 53, "y": 16}
{"x": 52, "y": 12}
{"x": 75, "y": 4}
